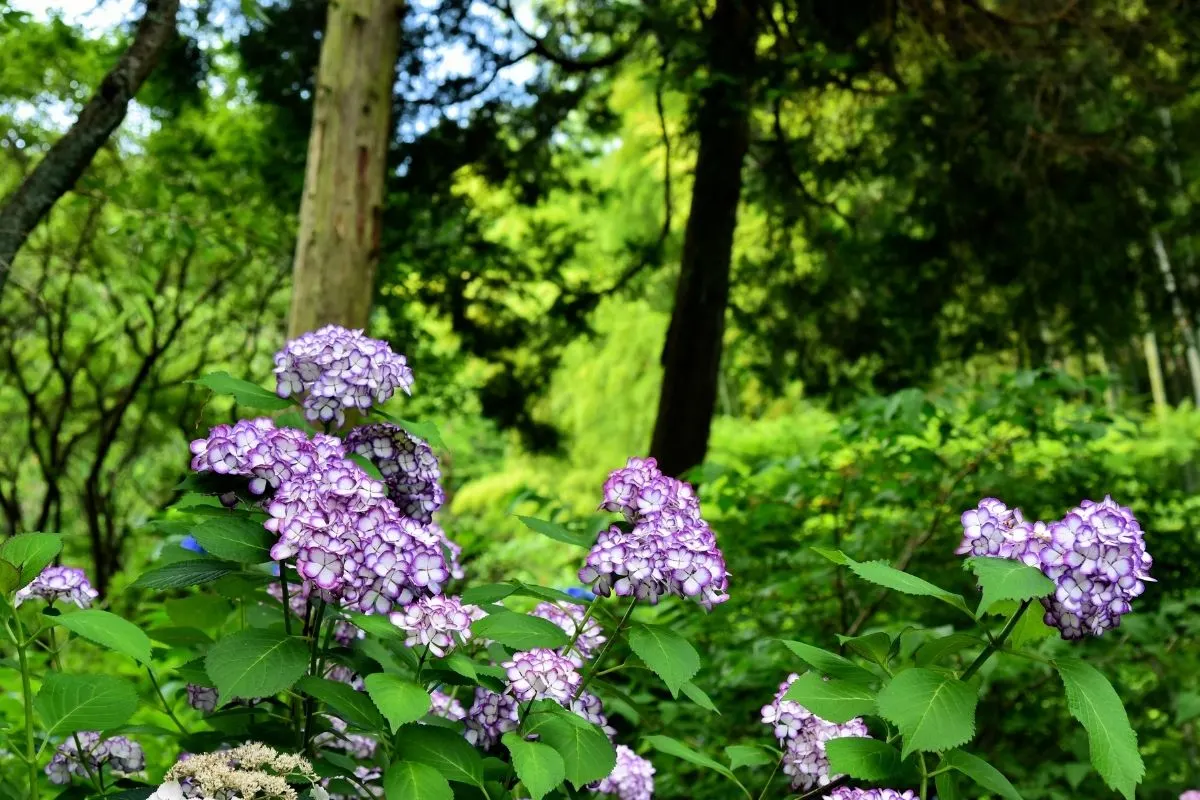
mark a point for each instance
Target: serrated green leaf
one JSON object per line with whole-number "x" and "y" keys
{"x": 742, "y": 755}
{"x": 862, "y": 758}
{"x": 235, "y": 538}
{"x": 400, "y": 701}
{"x": 488, "y": 593}
{"x": 353, "y": 706}
{"x": 587, "y": 753}
{"x": 245, "y": 393}
{"x": 874, "y": 646}
{"x": 411, "y": 780}
{"x": 30, "y": 553}
{"x": 1113, "y": 743}
{"x": 697, "y": 696}
{"x": 981, "y": 772}
{"x": 1005, "y": 579}
{"x": 667, "y": 653}
{"x": 185, "y": 573}
{"x": 107, "y": 629}
{"x": 884, "y": 574}
{"x": 443, "y": 749}
{"x": 933, "y": 711}
{"x": 933, "y": 651}
{"x": 376, "y": 625}
{"x": 10, "y": 581}
{"x": 557, "y": 532}
{"x": 256, "y": 663}
{"x": 519, "y": 631}
{"x": 830, "y": 664}
{"x": 836, "y": 701}
{"x": 539, "y": 766}
{"x": 836, "y": 556}
{"x": 72, "y": 703}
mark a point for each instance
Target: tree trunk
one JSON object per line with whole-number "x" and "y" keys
{"x": 66, "y": 161}
{"x": 692, "y": 354}
{"x": 337, "y": 249}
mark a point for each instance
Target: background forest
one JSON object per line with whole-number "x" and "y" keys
{"x": 849, "y": 266}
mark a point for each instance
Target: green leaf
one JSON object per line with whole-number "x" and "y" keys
{"x": 10, "y": 579}
{"x": 443, "y": 749}
{"x": 488, "y": 593}
{"x": 72, "y": 703}
{"x": 519, "y": 631}
{"x": 674, "y": 747}
{"x": 667, "y": 653}
{"x": 742, "y": 755}
{"x": 376, "y": 625}
{"x": 546, "y": 593}
{"x": 933, "y": 711}
{"x": 366, "y": 465}
{"x": 423, "y": 430}
{"x": 185, "y": 573}
{"x": 1093, "y": 701}
{"x": 933, "y": 651}
{"x": 1005, "y": 579}
{"x": 400, "y": 701}
{"x": 30, "y": 553}
{"x": 697, "y": 696}
{"x": 946, "y": 784}
{"x": 199, "y": 611}
{"x": 862, "y": 758}
{"x": 256, "y": 663}
{"x": 981, "y": 772}
{"x": 883, "y": 574}
{"x": 585, "y": 749}
{"x": 235, "y": 538}
{"x": 411, "y": 780}
{"x": 539, "y": 766}
{"x": 836, "y": 556}
{"x": 180, "y": 637}
{"x": 830, "y": 664}
{"x": 107, "y": 629}
{"x": 557, "y": 532}
{"x": 836, "y": 701}
{"x": 1031, "y": 627}
{"x": 245, "y": 393}
{"x": 353, "y": 706}
{"x": 875, "y": 646}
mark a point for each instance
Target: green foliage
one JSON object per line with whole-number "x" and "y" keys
{"x": 1004, "y": 579}
{"x": 835, "y": 700}
{"x": 255, "y": 663}
{"x": 667, "y": 653}
{"x": 867, "y": 759}
{"x": 933, "y": 711}
{"x": 72, "y": 703}
{"x": 442, "y": 749}
{"x": 109, "y": 630}
{"x": 518, "y": 631}
{"x": 401, "y": 701}
{"x": 412, "y": 780}
{"x": 30, "y": 553}
{"x": 235, "y": 538}
{"x": 1093, "y": 702}
{"x": 539, "y": 766}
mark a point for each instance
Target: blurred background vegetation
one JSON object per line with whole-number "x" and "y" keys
{"x": 962, "y": 265}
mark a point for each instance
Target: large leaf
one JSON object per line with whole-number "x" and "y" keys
{"x": 834, "y": 700}
{"x": 353, "y": 706}
{"x": 1005, "y": 579}
{"x": 699, "y": 697}
{"x": 586, "y": 752}
{"x": 862, "y": 758}
{"x": 30, "y": 553}
{"x": 883, "y": 574}
{"x": 933, "y": 651}
{"x": 376, "y": 625}
{"x": 487, "y": 593}
{"x": 667, "y": 653}
{"x": 539, "y": 766}
{"x": 981, "y": 772}
{"x": 443, "y": 749}
{"x": 557, "y": 532}
{"x": 674, "y": 747}
{"x": 235, "y": 538}
{"x": 934, "y": 711}
{"x": 72, "y": 703}
{"x": 105, "y": 628}
{"x": 519, "y": 631}
{"x": 744, "y": 755}
{"x": 245, "y": 393}
{"x": 10, "y": 581}
{"x": 400, "y": 701}
{"x": 830, "y": 664}
{"x": 875, "y": 646}
{"x": 185, "y": 573}
{"x": 1093, "y": 701}
{"x": 256, "y": 663}
{"x": 411, "y": 780}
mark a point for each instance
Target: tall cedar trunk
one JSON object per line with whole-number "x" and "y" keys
{"x": 66, "y": 161}
{"x": 692, "y": 354}
{"x": 340, "y": 215}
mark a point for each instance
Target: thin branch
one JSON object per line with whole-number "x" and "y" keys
{"x": 564, "y": 62}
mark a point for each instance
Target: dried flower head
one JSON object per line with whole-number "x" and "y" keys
{"x": 250, "y": 771}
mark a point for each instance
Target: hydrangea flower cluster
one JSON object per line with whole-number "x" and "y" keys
{"x": 407, "y": 464}
{"x": 336, "y": 369}
{"x": 348, "y": 538}
{"x": 90, "y": 754}
{"x": 440, "y": 623}
{"x": 249, "y": 770}
{"x": 570, "y": 618}
{"x": 1193, "y": 794}
{"x": 1096, "y": 556}
{"x": 59, "y": 583}
{"x": 847, "y": 793}
{"x": 589, "y": 706}
{"x": 355, "y": 745}
{"x": 202, "y": 698}
{"x": 445, "y": 706}
{"x": 803, "y": 735}
{"x": 631, "y": 779}
{"x": 669, "y": 548}
{"x": 490, "y": 717}
{"x": 542, "y": 673}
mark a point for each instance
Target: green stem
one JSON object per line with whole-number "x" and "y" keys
{"x": 996, "y": 644}
{"x": 287, "y": 608}
{"x": 18, "y": 639}
{"x": 595, "y": 665}
{"x": 166, "y": 706}
{"x": 924, "y": 776}
{"x": 312, "y": 669}
{"x": 767, "y": 786}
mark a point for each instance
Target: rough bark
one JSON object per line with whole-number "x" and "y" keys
{"x": 66, "y": 161}
{"x": 337, "y": 249}
{"x": 692, "y": 354}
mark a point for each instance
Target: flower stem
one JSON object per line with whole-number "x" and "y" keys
{"x": 996, "y": 643}
{"x": 287, "y": 609}
{"x": 595, "y": 665}
{"x": 166, "y": 706}
{"x": 924, "y": 776}
{"x": 315, "y": 632}
{"x": 18, "y": 639}
{"x": 767, "y": 786}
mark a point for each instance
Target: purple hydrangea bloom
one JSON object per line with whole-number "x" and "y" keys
{"x": 440, "y": 623}
{"x": 123, "y": 757}
{"x": 803, "y": 735}
{"x": 336, "y": 369}
{"x": 588, "y": 706}
{"x": 1193, "y": 794}
{"x": 407, "y": 464}
{"x": 445, "y": 706}
{"x": 353, "y": 744}
{"x": 542, "y": 673}
{"x": 490, "y": 717}
{"x": 631, "y": 779}
{"x": 987, "y": 528}
{"x": 59, "y": 583}
{"x": 569, "y": 617}
{"x": 202, "y": 698}
{"x": 669, "y": 549}
{"x": 847, "y": 793}
{"x": 340, "y": 673}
